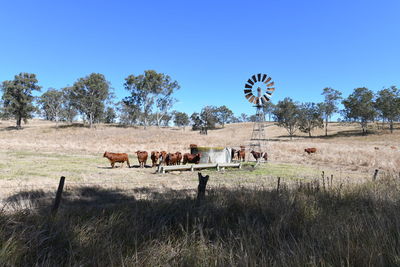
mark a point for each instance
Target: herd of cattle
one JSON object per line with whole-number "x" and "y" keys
{"x": 164, "y": 158}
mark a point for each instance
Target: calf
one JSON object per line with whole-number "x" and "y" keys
{"x": 191, "y": 158}
{"x": 258, "y": 155}
{"x": 142, "y": 158}
{"x": 310, "y": 150}
{"x": 116, "y": 157}
{"x": 155, "y": 155}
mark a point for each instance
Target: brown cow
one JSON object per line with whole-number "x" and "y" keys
{"x": 116, "y": 157}
{"x": 179, "y": 157}
{"x": 193, "y": 146}
{"x": 171, "y": 159}
{"x": 258, "y": 155}
{"x": 142, "y": 158}
{"x": 241, "y": 153}
{"x": 163, "y": 154}
{"x": 393, "y": 147}
{"x": 310, "y": 150}
{"x": 191, "y": 158}
{"x": 155, "y": 155}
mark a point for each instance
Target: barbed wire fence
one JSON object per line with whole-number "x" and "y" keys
{"x": 42, "y": 196}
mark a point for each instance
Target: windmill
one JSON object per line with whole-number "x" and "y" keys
{"x": 258, "y": 91}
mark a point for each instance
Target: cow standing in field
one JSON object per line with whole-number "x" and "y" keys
{"x": 142, "y": 158}
{"x": 310, "y": 150}
{"x": 191, "y": 158}
{"x": 171, "y": 159}
{"x": 179, "y": 157}
{"x": 259, "y": 155}
{"x": 241, "y": 153}
{"x": 116, "y": 157}
{"x": 155, "y": 155}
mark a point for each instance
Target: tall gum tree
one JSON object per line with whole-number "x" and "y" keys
{"x": 149, "y": 91}
{"x": 17, "y": 97}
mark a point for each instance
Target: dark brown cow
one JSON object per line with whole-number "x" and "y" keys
{"x": 310, "y": 150}
{"x": 258, "y": 155}
{"x": 155, "y": 155}
{"x": 171, "y": 159}
{"x": 163, "y": 155}
{"x": 116, "y": 157}
{"x": 179, "y": 157}
{"x": 142, "y": 158}
{"x": 191, "y": 158}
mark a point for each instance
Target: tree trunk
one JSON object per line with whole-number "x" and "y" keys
{"x": 90, "y": 120}
{"x": 326, "y": 127}
{"x": 19, "y": 119}
{"x": 309, "y": 134}
{"x": 391, "y": 126}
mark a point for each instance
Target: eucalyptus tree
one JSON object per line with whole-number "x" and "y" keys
{"x": 151, "y": 91}
{"x": 360, "y": 107}
{"x": 286, "y": 114}
{"x": 17, "y": 98}
{"x": 89, "y": 95}
{"x": 388, "y": 105}
{"x": 310, "y": 117}
{"x": 330, "y": 105}
{"x": 51, "y": 103}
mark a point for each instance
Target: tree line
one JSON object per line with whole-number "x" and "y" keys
{"x": 151, "y": 99}
{"x": 362, "y": 106}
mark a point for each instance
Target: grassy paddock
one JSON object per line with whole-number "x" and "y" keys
{"x": 354, "y": 225}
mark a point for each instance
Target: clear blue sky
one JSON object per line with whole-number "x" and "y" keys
{"x": 210, "y": 47}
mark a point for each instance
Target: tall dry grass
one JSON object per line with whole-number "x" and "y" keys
{"x": 303, "y": 225}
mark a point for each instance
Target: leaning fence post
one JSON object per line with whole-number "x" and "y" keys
{"x": 323, "y": 179}
{"x": 376, "y": 174}
{"x": 331, "y": 180}
{"x": 201, "y": 189}
{"x": 58, "y": 196}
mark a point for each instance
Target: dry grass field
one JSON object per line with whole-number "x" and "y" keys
{"x": 41, "y": 152}
{"x": 137, "y": 217}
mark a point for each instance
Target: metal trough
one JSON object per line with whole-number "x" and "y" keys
{"x": 192, "y": 167}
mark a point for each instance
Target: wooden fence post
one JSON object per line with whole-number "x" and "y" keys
{"x": 201, "y": 189}
{"x": 323, "y": 179}
{"x": 376, "y": 174}
{"x": 278, "y": 185}
{"x": 58, "y": 196}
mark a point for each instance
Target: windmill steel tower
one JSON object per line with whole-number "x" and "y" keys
{"x": 264, "y": 85}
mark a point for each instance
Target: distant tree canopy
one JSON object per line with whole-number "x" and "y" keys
{"x": 223, "y": 115}
{"x": 329, "y": 107}
{"x": 388, "y": 105}
{"x": 310, "y": 117}
{"x": 17, "y": 97}
{"x": 360, "y": 107}
{"x": 181, "y": 119}
{"x": 110, "y": 115}
{"x": 89, "y": 94}
{"x": 51, "y": 104}
{"x": 286, "y": 115}
{"x": 151, "y": 91}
